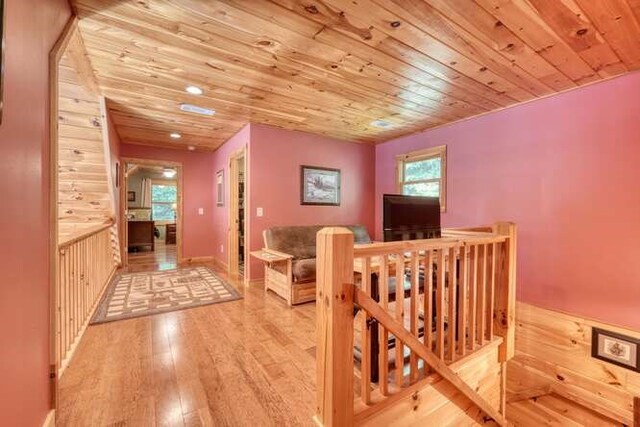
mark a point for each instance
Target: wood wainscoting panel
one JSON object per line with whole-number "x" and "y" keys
{"x": 440, "y": 403}
{"x": 553, "y": 350}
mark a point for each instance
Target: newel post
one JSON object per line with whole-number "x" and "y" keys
{"x": 334, "y": 310}
{"x": 504, "y": 315}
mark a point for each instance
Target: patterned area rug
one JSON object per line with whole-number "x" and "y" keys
{"x": 141, "y": 294}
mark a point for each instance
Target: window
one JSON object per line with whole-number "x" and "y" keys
{"x": 423, "y": 173}
{"x": 163, "y": 201}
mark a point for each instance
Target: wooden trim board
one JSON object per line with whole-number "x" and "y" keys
{"x": 234, "y": 205}
{"x": 554, "y": 349}
{"x": 55, "y": 55}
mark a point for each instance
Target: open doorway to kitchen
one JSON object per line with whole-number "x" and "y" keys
{"x": 151, "y": 214}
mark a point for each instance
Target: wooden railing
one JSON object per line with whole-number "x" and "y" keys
{"x": 85, "y": 265}
{"x": 422, "y": 306}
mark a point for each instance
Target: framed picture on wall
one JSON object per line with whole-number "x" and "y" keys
{"x": 319, "y": 186}
{"x": 131, "y": 196}
{"x": 616, "y": 348}
{"x": 220, "y": 187}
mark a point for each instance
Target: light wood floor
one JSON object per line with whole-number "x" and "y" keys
{"x": 164, "y": 257}
{"x": 243, "y": 363}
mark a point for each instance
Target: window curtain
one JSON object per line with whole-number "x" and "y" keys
{"x": 145, "y": 201}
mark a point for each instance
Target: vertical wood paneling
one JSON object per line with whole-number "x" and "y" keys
{"x": 85, "y": 267}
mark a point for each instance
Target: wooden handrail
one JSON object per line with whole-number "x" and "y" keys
{"x": 85, "y": 232}
{"x": 379, "y": 248}
{"x": 362, "y": 300}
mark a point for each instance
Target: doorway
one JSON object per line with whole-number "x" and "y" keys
{"x": 151, "y": 214}
{"x": 237, "y": 213}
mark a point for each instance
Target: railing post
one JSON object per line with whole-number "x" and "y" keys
{"x": 504, "y": 314}
{"x": 334, "y": 309}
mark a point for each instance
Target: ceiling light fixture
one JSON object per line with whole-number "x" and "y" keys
{"x": 191, "y": 148}
{"x": 380, "y": 124}
{"x": 189, "y": 108}
{"x": 175, "y": 135}
{"x": 169, "y": 173}
{"x": 194, "y": 90}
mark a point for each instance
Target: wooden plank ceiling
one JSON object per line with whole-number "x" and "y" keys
{"x": 333, "y": 67}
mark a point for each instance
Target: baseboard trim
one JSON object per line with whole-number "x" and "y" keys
{"x": 221, "y": 265}
{"x": 198, "y": 259}
{"x": 50, "y": 421}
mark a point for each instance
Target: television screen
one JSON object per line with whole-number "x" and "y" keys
{"x": 410, "y": 217}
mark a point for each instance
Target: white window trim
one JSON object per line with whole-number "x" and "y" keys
{"x": 427, "y": 153}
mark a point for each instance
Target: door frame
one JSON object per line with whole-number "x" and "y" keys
{"x": 122, "y": 215}
{"x": 55, "y": 55}
{"x": 234, "y": 217}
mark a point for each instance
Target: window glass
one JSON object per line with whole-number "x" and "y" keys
{"x": 422, "y": 170}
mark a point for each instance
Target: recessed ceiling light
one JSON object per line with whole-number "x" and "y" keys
{"x": 380, "y": 124}
{"x": 198, "y": 110}
{"x": 191, "y": 148}
{"x": 194, "y": 90}
{"x": 175, "y": 135}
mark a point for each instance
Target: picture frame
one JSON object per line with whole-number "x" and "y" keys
{"x": 220, "y": 187}
{"x": 131, "y": 196}
{"x": 612, "y": 347}
{"x": 320, "y": 186}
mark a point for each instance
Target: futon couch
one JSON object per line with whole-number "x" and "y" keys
{"x": 292, "y": 275}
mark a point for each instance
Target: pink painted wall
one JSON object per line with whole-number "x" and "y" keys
{"x": 32, "y": 27}
{"x": 566, "y": 170}
{"x": 274, "y": 173}
{"x": 221, "y": 213}
{"x": 198, "y": 185}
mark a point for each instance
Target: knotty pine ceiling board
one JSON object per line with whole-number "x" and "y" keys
{"x": 333, "y": 67}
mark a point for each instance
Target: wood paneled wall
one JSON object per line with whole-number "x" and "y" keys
{"x": 84, "y": 200}
{"x": 554, "y": 349}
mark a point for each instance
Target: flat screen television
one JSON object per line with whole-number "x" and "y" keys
{"x": 410, "y": 217}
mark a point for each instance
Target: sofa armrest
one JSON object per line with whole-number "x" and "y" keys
{"x": 278, "y": 254}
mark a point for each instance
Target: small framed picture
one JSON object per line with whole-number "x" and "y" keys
{"x": 319, "y": 186}
{"x": 616, "y": 348}
{"x": 220, "y": 187}
{"x": 131, "y": 196}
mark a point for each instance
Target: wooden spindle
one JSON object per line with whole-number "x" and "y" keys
{"x": 383, "y": 358}
{"x": 482, "y": 294}
{"x": 473, "y": 295}
{"x": 491, "y": 292}
{"x": 427, "y": 304}
{"x": 453, "y": 291}
{"x": 462, "y": 301}
{"x": 440, "y": 303}
{"x": 415, "y": 291}
{"x": 365, "y": 359}
{"x": 399, "y": 309}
